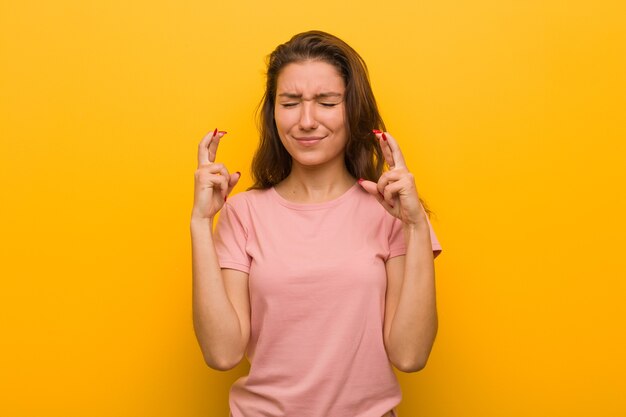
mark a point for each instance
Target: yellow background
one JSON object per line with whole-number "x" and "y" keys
{"x": 510, "y": 113}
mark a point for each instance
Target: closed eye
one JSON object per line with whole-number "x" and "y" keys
{"x": 289, "y": 104}
{"x": 329, "y": 104}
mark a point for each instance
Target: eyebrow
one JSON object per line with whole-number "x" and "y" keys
{"x": 317, "y": 96}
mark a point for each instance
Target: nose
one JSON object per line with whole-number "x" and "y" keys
{"x": 307, "y": 116}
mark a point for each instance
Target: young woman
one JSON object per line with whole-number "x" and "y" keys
{"x": 322, "y": 273}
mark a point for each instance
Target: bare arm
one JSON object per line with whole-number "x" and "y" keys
{"x": 221, "y": 308}
{"x": 410, "y": 324}
{"x": 411, "y": 312}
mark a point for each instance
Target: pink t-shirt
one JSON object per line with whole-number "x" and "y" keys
{"x": 317, "y": 286}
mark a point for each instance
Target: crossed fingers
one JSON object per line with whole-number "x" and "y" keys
{"x": 207, "y": 149}
{"x": 391, "y": 150}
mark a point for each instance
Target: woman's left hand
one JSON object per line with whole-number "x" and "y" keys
{"x": 396, "y": 189}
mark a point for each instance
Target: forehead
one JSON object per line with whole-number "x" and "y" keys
{"x": 309, "y": 77}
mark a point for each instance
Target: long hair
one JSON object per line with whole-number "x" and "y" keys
{"x": 363, "y": 157}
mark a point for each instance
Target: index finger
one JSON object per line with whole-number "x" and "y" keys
{"x": 394, "y": 148}
{"x": 207, "y": 148}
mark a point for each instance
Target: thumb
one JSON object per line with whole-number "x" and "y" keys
{"x": 234, "y": 179}
{"x": 371, "y": 188}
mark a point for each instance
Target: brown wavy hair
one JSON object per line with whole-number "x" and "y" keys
{"x": 363, "y": 157}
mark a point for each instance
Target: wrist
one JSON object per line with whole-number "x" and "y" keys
{"x": 417, "y": 234}
{"x": 418, "y": 222}
{"x": 416, "y": 228}
{"x": 199, "y": 221}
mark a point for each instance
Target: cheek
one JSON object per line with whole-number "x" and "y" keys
{"x": 340, "y": 122}
{"x": 340, "y": 118}
{"x": 282, "y": 126}
{"x": 282, "y": 120}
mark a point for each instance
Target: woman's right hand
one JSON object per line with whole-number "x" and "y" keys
{"x": 212, "y": 183}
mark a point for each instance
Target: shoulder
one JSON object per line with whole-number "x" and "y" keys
{"x": 247, "y": 202}
{"x": 247, "y": 197}
{"x": 371, "y": 205}
{"x": 369, "y": 211}
{"x": 238, "y": 211}
{"x": 364, "y": 197}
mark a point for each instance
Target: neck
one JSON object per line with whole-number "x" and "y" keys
{"x": 313, "y": 185}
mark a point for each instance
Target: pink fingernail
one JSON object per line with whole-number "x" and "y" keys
{"x": 384, "y": 137}
{"x": 215, "y": 132}
{"x": 376, "y": 131}
{"x": 360, "y": 180}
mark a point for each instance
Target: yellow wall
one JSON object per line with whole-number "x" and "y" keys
{"x": 509, "y": 114}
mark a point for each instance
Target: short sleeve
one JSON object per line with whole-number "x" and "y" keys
{"x": 397, "y": 245}
{"x": 230, "y": 239}
{"x": 434, "y": 241}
